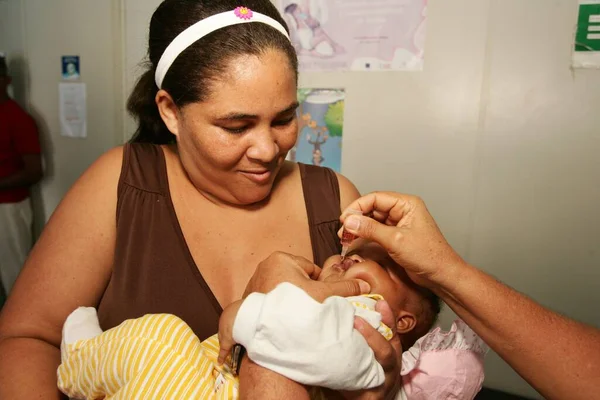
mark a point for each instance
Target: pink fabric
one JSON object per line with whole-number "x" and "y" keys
{"x": 444, "y": 365}
{"x": 445, "y": 374}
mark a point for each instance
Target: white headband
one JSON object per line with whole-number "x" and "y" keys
{"x": 202, "y": 28}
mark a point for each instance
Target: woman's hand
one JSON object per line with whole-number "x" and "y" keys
{"x": 387, "y": 353}
{"x": 405, "y": 228}
{"x": 282, "y": 267}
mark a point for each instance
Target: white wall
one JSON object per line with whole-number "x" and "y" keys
{"x": 136, "y": 14}
{"x": 499, "y": 137}
{"x": 41, "y": 31}
{"x": 536, "y": 222}
{"x": 497, "y": 134}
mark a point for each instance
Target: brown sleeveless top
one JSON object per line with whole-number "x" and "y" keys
{"x": 153, "y": 270}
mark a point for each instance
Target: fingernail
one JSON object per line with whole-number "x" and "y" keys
{"x": 364, "y": 287}
{"x": 352, "y": 223}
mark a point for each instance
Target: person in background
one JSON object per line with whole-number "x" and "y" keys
{"x": 20, "y": 168}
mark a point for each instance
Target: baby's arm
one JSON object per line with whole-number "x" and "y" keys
{"x": 312, "y": 343}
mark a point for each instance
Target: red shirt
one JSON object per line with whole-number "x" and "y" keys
{"x": 18, "y": 136}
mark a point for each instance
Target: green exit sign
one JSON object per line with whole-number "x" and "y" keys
{"x": 587, "y": 37}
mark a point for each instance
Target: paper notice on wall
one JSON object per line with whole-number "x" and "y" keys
{"x": 72, "y": 108}
{"x": 586, "y": 50}
{"x": 320, "y": 128}
{"x": 358, "y": 35}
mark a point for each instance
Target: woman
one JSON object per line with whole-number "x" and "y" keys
{"x": 201, "y": 196}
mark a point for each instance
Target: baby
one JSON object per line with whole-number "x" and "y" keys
{"x": 416, "y": 308}
{"x": 284, "y": 330}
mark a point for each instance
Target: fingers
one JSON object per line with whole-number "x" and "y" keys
{"x": 224, "y": 351}
{"x": 383, "y": 350}
{"x": 226, "y": 322}
{"x": 309, "y": 268}
{"x": 383, "y": 205}
{"x": 312, "y": 270}
{"x": 387, "y": 315}
{"x": 226, "y": 343}
{"x": 367, "y": 228}
{"x": 344, "y": 288}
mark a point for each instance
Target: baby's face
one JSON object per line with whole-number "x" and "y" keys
{"x": 371, "y": 263}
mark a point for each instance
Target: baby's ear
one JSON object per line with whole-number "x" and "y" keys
{"x": 406, "y": 322}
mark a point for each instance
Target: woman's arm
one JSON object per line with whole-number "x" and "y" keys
{"x": 257, "y": 382}
{"x": 558, "y": 356}
{"x": 69, "y": 267}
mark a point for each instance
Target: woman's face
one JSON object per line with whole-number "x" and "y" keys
{"x": 233, "y": 144}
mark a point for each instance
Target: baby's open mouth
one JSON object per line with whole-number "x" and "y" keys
{"x": 347, "y": 263}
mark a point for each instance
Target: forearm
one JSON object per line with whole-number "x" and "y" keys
{"x": 257, "y": 382}
{"x": 22, "y": 178}
{"x": 557, "y": 356}
{"x": 28, "y": 369}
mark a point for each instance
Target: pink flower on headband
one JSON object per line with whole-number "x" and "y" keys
{"x": 243, "y": 12}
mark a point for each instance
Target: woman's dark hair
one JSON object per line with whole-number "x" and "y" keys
{"x": 188, "y": 77}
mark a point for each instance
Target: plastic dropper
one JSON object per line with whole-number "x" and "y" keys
{"x": 348, "y": 237}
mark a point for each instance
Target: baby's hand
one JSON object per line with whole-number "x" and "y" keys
{"x": 226, "y": 321}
